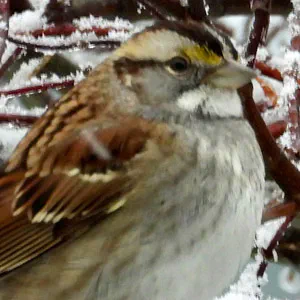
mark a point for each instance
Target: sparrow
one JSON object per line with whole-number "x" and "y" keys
{"x": 144, "y": 181}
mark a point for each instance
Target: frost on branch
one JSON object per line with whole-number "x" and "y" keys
{"x": 31, "y": 28}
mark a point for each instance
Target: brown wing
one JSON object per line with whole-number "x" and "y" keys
{"x": 87, "y": 175}
{"x": 76, "y": 109}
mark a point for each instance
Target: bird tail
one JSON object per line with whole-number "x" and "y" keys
{"x": 20, "y": 240}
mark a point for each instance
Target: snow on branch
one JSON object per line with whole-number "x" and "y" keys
{"x": 30, "y": 29}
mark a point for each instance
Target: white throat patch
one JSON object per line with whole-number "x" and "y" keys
{"x": 212, "y": 101}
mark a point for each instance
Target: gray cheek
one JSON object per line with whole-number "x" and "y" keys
{"x": 158, "y": 86}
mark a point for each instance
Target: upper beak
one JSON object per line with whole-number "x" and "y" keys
{"x": 230, "y": 75}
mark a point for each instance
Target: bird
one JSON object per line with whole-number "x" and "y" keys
{"x": 144, "y": 181}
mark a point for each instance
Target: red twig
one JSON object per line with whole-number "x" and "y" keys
{"x": 37, "y": 88}
{"x": 268, "y": 70}
{"x": 267, "y": 253}
{"x": 10, "y": 60}
{"x": 259, "y": 31}
{"x": 269, "y": 92}
{"x": 67, "y": 29}
{"x": 18, "y": 119}
{"x": 279, "y": 210}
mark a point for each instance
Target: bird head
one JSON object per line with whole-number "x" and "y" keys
{"x": 188, "y": 64}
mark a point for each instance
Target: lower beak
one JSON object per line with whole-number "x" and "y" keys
{"x": 230, "y": 75}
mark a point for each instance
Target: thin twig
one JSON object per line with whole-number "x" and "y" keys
{"x": 18, "y": 119}
{"x": 279, "y": 210}
{"x": 37, "y": 88}
{"x": 67, "y": 29}
{"x": 268, "y": 70}
{"x": 13, "y": 57}
{"x": 267, "y": 253}
{"x": 107, "y": 45}
{"x": 259, "y": 31}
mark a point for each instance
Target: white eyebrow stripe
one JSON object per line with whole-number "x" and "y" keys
{"x": 149, "y": 45}
{"x": 226, "y": 49}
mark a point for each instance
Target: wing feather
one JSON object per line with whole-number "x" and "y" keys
{"x": 72, "y": 181}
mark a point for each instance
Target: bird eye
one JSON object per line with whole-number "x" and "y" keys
{"x": 178, "y": 64}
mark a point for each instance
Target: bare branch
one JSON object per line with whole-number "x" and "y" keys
{"x": 268, "y": 70}
{"x": 22, "y": 120}
{"x": 106, "y": 45}
{"x": 10, "y": 60}
{"x": 268, "y": 253}
{"x": 259, "y": 31}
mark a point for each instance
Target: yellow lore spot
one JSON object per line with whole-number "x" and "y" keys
{"x": 202, "y": 54}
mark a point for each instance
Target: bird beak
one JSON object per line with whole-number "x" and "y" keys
{"x": 229, "y": 75}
